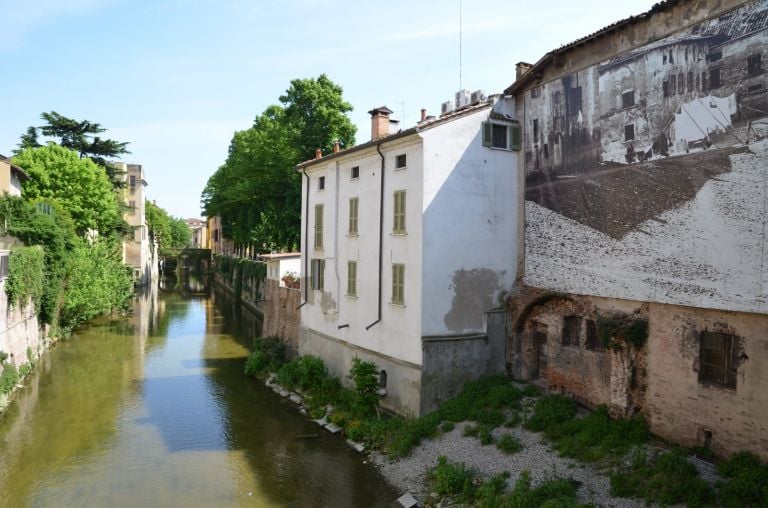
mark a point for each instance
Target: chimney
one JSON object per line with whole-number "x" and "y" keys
{"x": 423, "y": 114}
{"x": 318, "y": 153}
{"x": 336, "y": 147}
{"x": 379, "y": 122}
{"x": 521, "y": 68}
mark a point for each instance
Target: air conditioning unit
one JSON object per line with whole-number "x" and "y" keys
{"x": 478, "y": 96}
{"x": 462, "y": 98}
{"x": 446, "y": 107}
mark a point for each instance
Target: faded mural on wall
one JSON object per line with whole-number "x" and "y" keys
{"x": 647, "y": 174}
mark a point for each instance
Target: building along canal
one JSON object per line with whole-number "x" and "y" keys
{"x": 154, "y": 410}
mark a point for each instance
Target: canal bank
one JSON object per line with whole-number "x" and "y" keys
{"x": 153, "y": 410}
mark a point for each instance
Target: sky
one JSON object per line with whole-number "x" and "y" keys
{"x": 177, "y": 78}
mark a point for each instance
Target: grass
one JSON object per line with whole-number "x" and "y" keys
{"x": 461, "y": 484}
{"x": 508, "y": 444}
{"x": 667, "y": 479}
{"x": 746, "y": 481}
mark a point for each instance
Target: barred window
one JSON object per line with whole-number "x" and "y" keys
{"x": 716, "y": 365}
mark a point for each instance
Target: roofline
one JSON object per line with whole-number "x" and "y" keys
{"x": 14, "y": 166}
{"x": 424, "y": 126}
{"x": 535, "y": 70}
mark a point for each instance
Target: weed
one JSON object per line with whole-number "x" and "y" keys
{"x": 268, "y": 356}
{"x": 24, "y": 369}
{"x": 8, "y": 378}
{"x": 366, "y": 378}
{"x": 484, "y": 435}
{"x": 666, "y": 479}
{"x": 531, "y": 390}
{"x": 447, "y": 427}
{"x": 509, "y": 444}
{"x": 514, "y": 420}
{"x": 471, "y": 431}
{"x": 550, "y": 411}
{"x": 746, "y": 481}
{"x": 453, "y": 480}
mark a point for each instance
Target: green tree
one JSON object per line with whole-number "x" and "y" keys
{"x": 171, "y": 233}
{"x": 256, "y": 191}
{"x": 78, "y": 184}
{"x": 80, "y": 136}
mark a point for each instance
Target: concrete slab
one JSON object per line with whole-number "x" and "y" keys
{"x": 407, "y": 500}
{"x": 358, "y": 447}
{"x": 333, "y": 429}
{"x": 296, "y": 399}
{"x": 321, "y": 421}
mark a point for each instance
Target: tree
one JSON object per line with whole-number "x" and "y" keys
{"x": 80, "y": 136}
{"x": 257, "y": 192}
{"x": 171, "y": 233}
{"x": 78, "y": 184}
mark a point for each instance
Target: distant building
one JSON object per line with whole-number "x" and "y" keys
{"x": 283, "y": 266}
{"x": 199, "y": 230}
{"x": 11, "y": 177}
{"x": 216, "y": 241}
{"x": 138, "y": 252}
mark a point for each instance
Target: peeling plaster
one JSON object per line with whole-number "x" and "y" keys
{"x": 473, "y": 295}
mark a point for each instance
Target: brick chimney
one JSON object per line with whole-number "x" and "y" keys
{"x": 318, "y": 153}
{"x": 521, "y": 68}
{"x": 423, "y": 114}
{"x": 336, "y": 146}
{"x": 379, "y": 122}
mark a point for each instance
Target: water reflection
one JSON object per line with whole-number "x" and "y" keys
{"x": 153, "y": 410}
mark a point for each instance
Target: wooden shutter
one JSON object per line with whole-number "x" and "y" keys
{"x": 353, "y": 208}
{"x": 487, "y": 134}
{"x": 398, "y": 283}
{"x": 352, "y": 278}
{"x": 515, "y": 137}
{"x": 398, "y": 223}
{"x": 318, "y": 227}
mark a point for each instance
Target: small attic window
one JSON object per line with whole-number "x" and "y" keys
{"x": 400, "y": 161}
{"x": 354, "y": 172}
{"x": 321, "y": 183}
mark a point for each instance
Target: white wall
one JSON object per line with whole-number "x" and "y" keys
{"x": 470, "y": 203}
{"x": 398, "y": 333}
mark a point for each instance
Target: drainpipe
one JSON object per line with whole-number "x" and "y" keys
{"x": 306, "y": 242}
{"x": 381, "y": 233}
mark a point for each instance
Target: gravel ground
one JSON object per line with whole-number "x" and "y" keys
{"x": 410, "y": 474}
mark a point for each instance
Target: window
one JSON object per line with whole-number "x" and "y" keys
{"x": 215, "y": 235}
{"x": 398, "y": 224}
{"x": 716, "y": 364}
{"x": 353, "y": 206}
{"x": 571, "y": 330}
{"x": 505, "y": 137}
{"x": 354, "y": 172}
{"x": 352, "y": 278}
{"x": 320, "y": 183}
{"x": 535, "y": 130}
{"x": 690, "y": 82}
{"x": 754, "y": 65}
{"x": 703, "y": 81}
{"x": 665, "y": 87}
{"x": 680, "y": 83}
{"x": 664, "y": 59}
{"x": 672, "y": 84}
{"x": 318, "y": 274}
{"x": 318, "y": 227}
{"x": 628, "y": 99}
{"x": 714, "y": 57}
{"x": 132, "y": 181}
{"x": 3, "y": 266}
{"x": 671, "y": 57}
{"x": 593, "y": 341}
{"x": 132, "y": 207}
{"x": 629, "y": 132}
{"x": 398, "y": 281}
{"x": 44, "y": 208}
{"x": 535, "y": 92}
{"x": 714, "y": 78}
{"x": 400, "y": 161}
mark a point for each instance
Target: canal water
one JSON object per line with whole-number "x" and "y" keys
{"x": 154, "y": 410}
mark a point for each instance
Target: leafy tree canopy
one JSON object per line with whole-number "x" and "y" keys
{"x": 171, "y": 233}
{"x": 256, "y": 192}
{"x": 80, "y": 136}
{"x": 78, "y": 184}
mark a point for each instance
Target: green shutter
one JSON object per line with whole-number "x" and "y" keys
{"x": 515, "y": 137}
{"x": 318, "y": 227}
{"x": 487, "y": 134}
{"x": 352, "y": 278}
{"x": 398, "y": 222}
{"x": 353, "y": 208}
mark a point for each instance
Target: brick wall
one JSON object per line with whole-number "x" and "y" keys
{"x": 281, "y": 314}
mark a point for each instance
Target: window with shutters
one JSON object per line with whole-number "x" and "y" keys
{"x": 716, "y": 365}
{"x": 353, "y": 207}
{"x": 398, "y": 223}
{"x": 317, "y": 275}
{"x": 398, "y": 284}
{"x": 502, "y": 136}
{"x": 352, "y": 278}
{"x": 318, "y": 227}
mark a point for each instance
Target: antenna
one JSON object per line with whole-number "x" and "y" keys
{"x": 460, "y": 45}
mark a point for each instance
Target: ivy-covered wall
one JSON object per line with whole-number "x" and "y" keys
{"x": 244, "y": 278}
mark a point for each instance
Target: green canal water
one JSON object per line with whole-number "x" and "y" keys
{"x": 154, "y": 410}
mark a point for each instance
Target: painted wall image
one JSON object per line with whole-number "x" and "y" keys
{"x": 646, "y": 173}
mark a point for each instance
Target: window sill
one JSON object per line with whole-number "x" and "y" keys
{"x": 401, "y": 169}
{"x": 399, "y": 233}
{"x": 353, "y": 235}
{"x": 351, "y": 297}
{"x": 397, "y": 305}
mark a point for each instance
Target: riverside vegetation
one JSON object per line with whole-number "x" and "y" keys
{"x": 618, "y": 447}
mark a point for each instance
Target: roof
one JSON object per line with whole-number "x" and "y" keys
{"x": 613, "y": 27}
{"x": 280, "y": 255}
{"x": 420, "y": 127}
{"x": 21, "y": 172}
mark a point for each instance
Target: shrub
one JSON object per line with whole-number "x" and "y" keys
{"x": 531, "y": 391}
{"x": 306, "y": 373}
{"x": 550, "y": 411}
{"x": 452, "y": 479}
{"x": 24, "y": 370}
{"x": 508, "y": 444}
{"x": 514, "y": 420}
{"x": 366, "y": 378}
{"x": 484, "y": 435}
{"x": 666, "y": 479}
{"x": 8, "y": 378}
{"x": 746, "y": 481}
{"x": 447, "y": 427}
{"x": 268, "y": 356}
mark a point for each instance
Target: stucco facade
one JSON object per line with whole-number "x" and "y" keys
{"x": 138, "y": 252}
{"x": 649, "y": 222}
{"x": 11, "y": 177}
{"x": 428, "y": 262}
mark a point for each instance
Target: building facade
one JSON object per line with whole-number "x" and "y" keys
{"x": 644, "y": 286}
{"x": 199, "y": 230}
{"x": 11, "y": 177}
{"x": 408, "y": 242}
{"x": 138, "y": 252}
